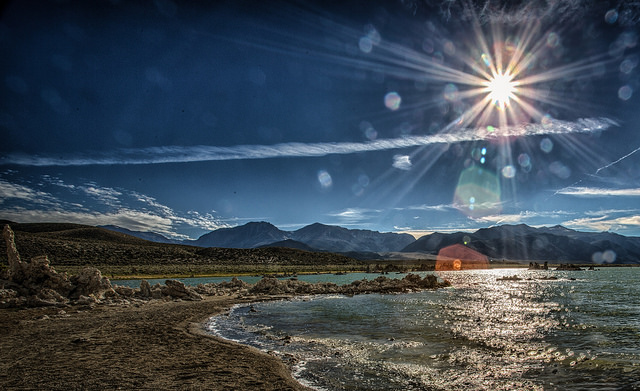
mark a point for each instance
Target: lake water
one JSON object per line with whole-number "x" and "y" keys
{"x": 578, "y": 332}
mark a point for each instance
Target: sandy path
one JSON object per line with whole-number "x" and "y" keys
{"x": 158, "y": 345}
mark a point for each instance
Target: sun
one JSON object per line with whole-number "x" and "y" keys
{"x": 501, "y": 89}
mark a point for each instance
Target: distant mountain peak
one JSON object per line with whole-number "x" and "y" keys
{"x": 249, "y": 235}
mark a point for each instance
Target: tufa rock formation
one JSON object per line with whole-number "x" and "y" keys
{"x": 36, "y": 283}
{"x": 178, "y": 290}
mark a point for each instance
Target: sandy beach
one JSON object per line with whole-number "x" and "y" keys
{"x": 158, "y": 345}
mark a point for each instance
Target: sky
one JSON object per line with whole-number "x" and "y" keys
{"x": 396, "y": 116}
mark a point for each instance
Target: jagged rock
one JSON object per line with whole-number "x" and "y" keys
{"x": 268, "y": 286}
{"x": 87, "y": 300}
{"x": 40, "y": 275}
{"x": 51, "y": 295}
{"x": 569, "y": 267}
{"x": 177, "y": 289}
{"x": 34, "y": 280}
{"x": 90, "y": 282}
{"x": 14, "y": 262}
{"x": 156, "y": 293}
{"x": 125, "y": 291}
{"x": 7, "y": 294}
{"x": 145, "y": 289}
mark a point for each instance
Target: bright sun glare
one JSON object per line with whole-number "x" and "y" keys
{"x": 501, "y": 89}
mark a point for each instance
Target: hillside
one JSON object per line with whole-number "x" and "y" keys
{"x": 150, "y": 236}
{"x": 74, "y": 245}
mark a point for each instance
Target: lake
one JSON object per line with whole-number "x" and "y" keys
{"x": 580, "y": 331}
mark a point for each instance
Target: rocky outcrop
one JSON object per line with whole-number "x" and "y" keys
{"x": 178, "y": 290}
{"x": 569, "y": 267}
{"x": 33, "y": 283}
{"x": 90, "y": 282}
{"x": 537, "y": 266}
{"x": 382, "y": 284}
{"x": 36, "y": 283}
{"x": 145, "y": 289}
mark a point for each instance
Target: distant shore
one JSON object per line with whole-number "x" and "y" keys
{"x": 293, "y": 271}
{"x": 158, "y": 345}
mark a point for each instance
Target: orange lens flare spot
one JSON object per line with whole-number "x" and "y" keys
{"x": 457, "y": 264}
{"x": 459, "y": 257}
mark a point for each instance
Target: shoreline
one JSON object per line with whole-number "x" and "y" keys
{"x": 156, "y": 345}
{"x": 117, "y": 277}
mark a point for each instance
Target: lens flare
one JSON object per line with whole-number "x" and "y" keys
{"x": 478, "y": 192}
{"x": 459, "y": 257}
{"x": 501, "y": 89}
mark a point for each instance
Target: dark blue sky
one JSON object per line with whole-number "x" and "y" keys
{"x": 181, "y": 117}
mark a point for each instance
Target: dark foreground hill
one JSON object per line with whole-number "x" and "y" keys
{"x": 76, "y": 245}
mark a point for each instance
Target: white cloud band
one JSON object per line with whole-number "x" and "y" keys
{"x": 186, "y": 154}
{"x": 599, "y": 192}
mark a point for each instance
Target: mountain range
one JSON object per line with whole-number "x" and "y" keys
{"x": 524, "y": 243}
{"x": 316, "y": 236}
{"x": 513, "y": 242}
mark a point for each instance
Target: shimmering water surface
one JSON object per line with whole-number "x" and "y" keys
{"x": 580, "y": 331}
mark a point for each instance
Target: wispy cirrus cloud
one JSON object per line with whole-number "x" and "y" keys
{"x": 527, "y": 216}
{"x": 599, "y": 192}
{"x": 97, "y": 205}
{"x": 436, "y": 208}
{"x": 185, "y": 154}
{"x": 352, "y": 216}
{"x": 19, "y": 192}
{"x": 606, "y": 223}
{"x": 127, "y": 218}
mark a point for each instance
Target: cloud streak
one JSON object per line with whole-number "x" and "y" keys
{"x": 599, "y": 192}
{"x": 605, "y": 223}
{"x": 201, "y": 153}
{"x": 104, "y": 206}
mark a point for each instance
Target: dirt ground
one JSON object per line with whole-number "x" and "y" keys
{"x": 159, "y": 345}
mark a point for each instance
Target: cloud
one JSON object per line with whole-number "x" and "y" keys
{"x": 23, "y": 193}
{"x": 108, "y": 206}
{"x": 424, "y": 207}
{"x": 610, "y": 212}
{"x": 127, "y": 218}
{"x": 185, "y": 154}
{"x": 105, "y": 195}
{"x": 589, "y": 192}
{"x": 524, "y": 216}
{"x": 606, "y": 223}
{"x": 402, "y": 162}
{"x": 354, "y": 215}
